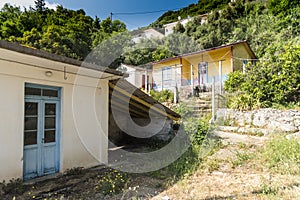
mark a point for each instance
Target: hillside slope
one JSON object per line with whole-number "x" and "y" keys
{"x": 202, "y": 7}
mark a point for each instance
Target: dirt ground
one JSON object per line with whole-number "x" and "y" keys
{"x": 227, "y": 174}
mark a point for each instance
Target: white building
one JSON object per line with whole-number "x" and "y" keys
{"x": 53, "y": 113}
{"x": 151, "y": 33}
{"x": 169, "y": 28}
{"x": 137, "y": 76}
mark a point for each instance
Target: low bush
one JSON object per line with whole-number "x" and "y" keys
{"x": 196, "y": 129}
{"x": 163, "y": 96}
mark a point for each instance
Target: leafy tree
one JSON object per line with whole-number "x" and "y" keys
{"x": 40, "y": 5}
{"x": 282, "y": 6}
{"x": 107, "y": 29}
{"x": 234, "y": 81}
{"x": 179, "y": 28}
{"x": 272, "y": 81}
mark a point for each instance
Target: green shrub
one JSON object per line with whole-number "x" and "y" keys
{"x": 275, "y": 81}
{"x": 196, "y": 129}
{"x": 191, "y": 159}
{"x": 163, "y": 96}
{"x": 241, "y": 102}
{"x": 234, "y": 81}
{"x": 183, "y": 110}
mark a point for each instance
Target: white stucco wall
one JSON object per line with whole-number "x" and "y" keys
{"x": 84, "y": 117}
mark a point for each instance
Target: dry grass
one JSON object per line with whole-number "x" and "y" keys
{"x": 239, "y": 172}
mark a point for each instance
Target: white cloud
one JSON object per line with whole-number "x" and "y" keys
{"x": 51, "y": 5}
{"x": 26, "y": 3}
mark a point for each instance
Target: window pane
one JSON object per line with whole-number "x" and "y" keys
{"x": 30, "y": 138}
{"x": 33, "y": 91}
{"x": 49, "y": 122}
{"x": 30, "y": 123}
{"x": 50, "y": 109}
{"x": 49, "y": 136}
{"x": 31, "y": 108}
{"x": 50, "y": 93}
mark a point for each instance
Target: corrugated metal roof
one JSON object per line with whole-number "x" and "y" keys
{"x": 140, "y": 102}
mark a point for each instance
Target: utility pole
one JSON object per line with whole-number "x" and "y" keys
{"x": 111, "y": 16}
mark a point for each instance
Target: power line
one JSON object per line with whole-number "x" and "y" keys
{"x": 143, "y": 12}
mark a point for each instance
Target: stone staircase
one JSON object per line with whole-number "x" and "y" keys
{"x": 200, "y": 106}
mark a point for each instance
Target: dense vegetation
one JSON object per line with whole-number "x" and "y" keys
{"x": 202, "y": 7}
{"x": 271, "y": 82}
{"x": 271, "y": 28}
{"x": 61, "y": 31}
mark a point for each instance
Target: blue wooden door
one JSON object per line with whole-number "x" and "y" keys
{"x": 41, "y": 136}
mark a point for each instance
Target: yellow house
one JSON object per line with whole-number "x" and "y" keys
{"x": 199, "y": 68}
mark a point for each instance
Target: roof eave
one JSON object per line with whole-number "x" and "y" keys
{"x": 54, "y": 57}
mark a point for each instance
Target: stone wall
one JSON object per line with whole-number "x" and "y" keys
{"x": 272, "y": 120}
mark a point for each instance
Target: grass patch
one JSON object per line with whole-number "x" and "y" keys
{"x": 281, "y": 155}
{"x": 189, "y": 162}
{"x": 241, "y": 158}
{"x": 212, "y": 165}
{"x": 183, "y": 166}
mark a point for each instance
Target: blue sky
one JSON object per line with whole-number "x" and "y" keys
{"x": 102, "y": 8}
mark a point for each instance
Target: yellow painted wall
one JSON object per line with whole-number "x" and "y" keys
{"x": 239, "y": 51}
{"x": 212, "y": 58}
{"x": 229, "y": 61}
{"x": 186, "y": 69}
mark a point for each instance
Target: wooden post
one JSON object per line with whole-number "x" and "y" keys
{"x": 175, "y": 87}
{"x": 192, "y": 80}
{"x": 220, "y": 75}
{"x": 213, "y": 99}
{"x": 146, "y": 81}
{"x": 244, "y": 66}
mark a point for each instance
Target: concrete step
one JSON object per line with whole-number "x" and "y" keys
{"x": 200, "y": 108}
{"x": 246, "y": 130}
{"x": 234, "y": 138}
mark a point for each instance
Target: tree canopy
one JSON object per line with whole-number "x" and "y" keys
{"x": 62, "y": 31}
